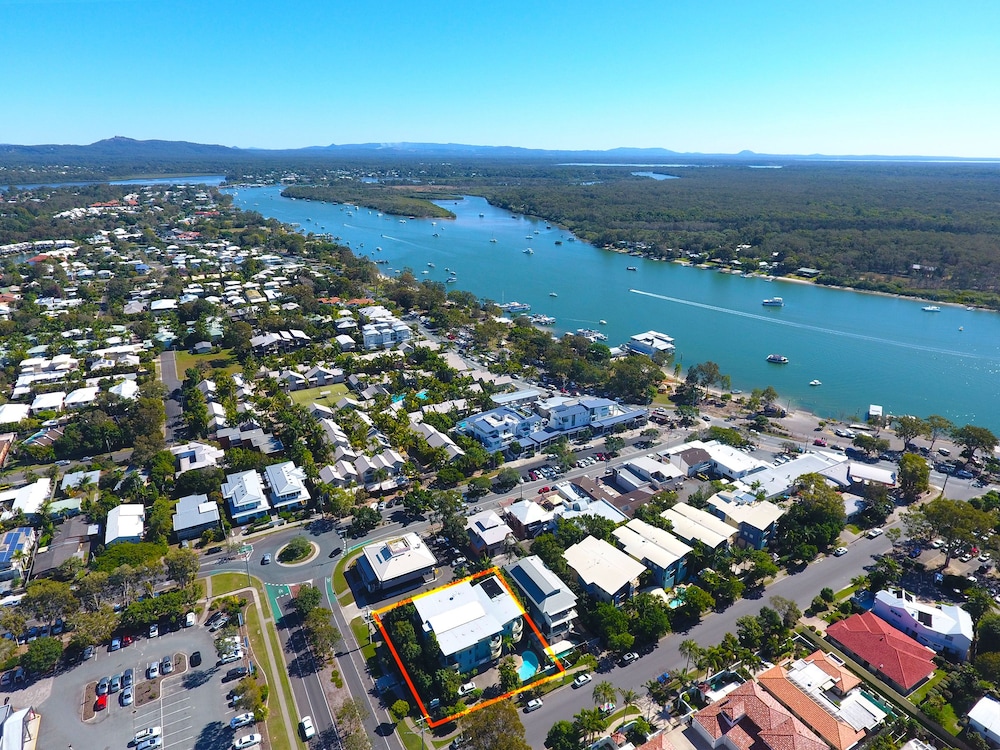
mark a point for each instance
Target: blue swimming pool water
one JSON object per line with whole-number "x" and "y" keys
{"x": 528, "y": 667}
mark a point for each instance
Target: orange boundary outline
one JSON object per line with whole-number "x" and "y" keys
{"x": 560, "y": 669}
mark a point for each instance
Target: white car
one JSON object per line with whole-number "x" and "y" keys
{"x": 242, "y": 720}
{"x": 189, "y": 620}
{"x": 153, "y": 630}
{"x": 145, "y": 734}
{"x": 533, "y": 705}
{"x": 840, "y": 552}
{"x": 153, "y": 670}
{"x": 582, "y": 679}
{"x": 872, "y": 533}
{"x": 466, "y": 688}
{"x": 150, "y": 744}
{"x": 937, "y": 543}
{"x": 308, "y": 731}
{"x": 248, "y": 740}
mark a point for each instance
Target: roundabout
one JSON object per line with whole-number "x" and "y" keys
{"x": 297, "y": 551}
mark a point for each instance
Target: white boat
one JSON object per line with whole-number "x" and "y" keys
{"x": 529, "y": 251}
{"x": 815, "y": 382}
{"x": 777, "y": 359}
{"x": 603, "y": 322}
{"x": 773, "y": 302}
{"x": 553, "y": 294}
{"x": 931, "y": 308}
{"x": 493, "y": 240}
{"x": 451, "y": 280}
{"x": 430, "y": 265}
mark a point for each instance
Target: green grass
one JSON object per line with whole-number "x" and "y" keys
{"x": 917, "y": 696}
{"x": 184, "y": 360}
{"x": 223, "y": 583}
{"x": 845, "y": 593}
{"x": 308, "y": 395}
{"x": 340, "y": 586}
{"x": 360, "y": 630}
{"x": 949, "y": 720}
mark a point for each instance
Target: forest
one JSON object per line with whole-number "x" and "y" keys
{"x": 390, "y": 199}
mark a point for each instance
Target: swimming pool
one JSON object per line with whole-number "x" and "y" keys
{"x": 529, "y": 665}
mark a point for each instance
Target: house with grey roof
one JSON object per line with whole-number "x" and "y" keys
{"x": 287, "y": 483}
{"x": 551, "y": 603}
{"x": 244, "y": 494}
{"x": 194, "y": 515}
{"x": 394, "y": 563}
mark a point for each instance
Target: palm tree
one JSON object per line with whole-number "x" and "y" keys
{"x": 604, "y": 692}
{"x": 629, "y": 698}
{"x": 589, "y": 722}
{"x": 691, "y": 650}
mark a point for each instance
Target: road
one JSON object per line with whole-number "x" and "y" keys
{"x": 168, "y": 374}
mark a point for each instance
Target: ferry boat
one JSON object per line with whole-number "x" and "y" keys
{"x": 773, "y": 302}
{"x": 516, "y": 307}
{"x": 777, "y": 359}
{"x": 931, "y": 308}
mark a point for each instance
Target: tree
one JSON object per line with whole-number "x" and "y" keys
{"x": 760, "y": 568}
{"x": 91, "y": 628}
{"x": 195, "y": 413}
{"x": 46, "y": 600}
{"x": 787, "y": 609}
{"x": 322, "y": 634}
{"x": 494, "y": 727}
{"x": 604, "y": 692}
{"x": 507, "y": 478}
{"x": 937, "y": 426}
{"x": 613, "y": 444}
{"x": 399, "y": 710}
{"x": 870, "y": 444}
{"x": 696, "y": 602}
{"x": 479, "y": 486}
{"x": 42, "y": 655}
{"x": 182, "y": 566}
{"x": 690, "y": 650}
{"x": 957, "y": 522}
{"x": 589, "y": 722}
{"x": 563, "y": 735}
{"x": 509, "y": 679}
{"x": 908, "y": 427}
{"x": 914, "y": 476}
{"x": 815, "y": 520}
{"x": 307, "y": 599}
{"x": 978, "y": 604}
{"x": 974, "y": 439}
{"x": 365, "y": 519}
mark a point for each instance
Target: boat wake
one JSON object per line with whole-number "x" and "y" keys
{"x": 818, "y": 329}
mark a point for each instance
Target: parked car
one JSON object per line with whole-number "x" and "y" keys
{"x": 466, "y": 688}
{"x": 533, "y": 705}
{"x": 150, "y": 744}
{"x": 116, "y": 643}
{"x": 230, "y": 656}
{"x": 102, "y": 686}
{"x": 153, "y": 670}
{"x": 630, "y": 657}
{"x": 115, "y": 684}
{"x": 101, "y": 703}
{"x": 88, "y": 653}
{"x": 127, "y": 696}
{"x": 249, "y": 740}
{"x": 128, "y": 677}
{"x": 167, "y": 665}
{"x": 840, "y": 552}
{"x": 872, "y": 533}
{"x": 237, "y": 673}
{"x": 189, "y": 620}
{"x": 195, "y": 658}
{"x": 241, "y": 720}
{"x": 915, "y": 552}
{"x": 582, "y": 679}
{"x": 154, "y": 630}
{"x": 145, "y": 734}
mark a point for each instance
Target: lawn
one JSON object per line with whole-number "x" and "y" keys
{"x": 309, "y": 395}
{"x": 340, "y": 585}
{"x": 361, "y": 635}
{"x": 918, "y": 695}
{"x": 222, "y": 360}
{"x": 223, "y": 583}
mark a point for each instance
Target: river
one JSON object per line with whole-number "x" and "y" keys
{"x": 864, "y": 348}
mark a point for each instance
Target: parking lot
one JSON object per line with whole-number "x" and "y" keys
{"x": 190, "y": 705}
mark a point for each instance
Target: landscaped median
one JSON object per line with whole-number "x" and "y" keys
{"x": 277, "y": 675}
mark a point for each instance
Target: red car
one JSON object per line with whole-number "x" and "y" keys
{"x": 102, "y": 702}
{"x": 543, "y": 490}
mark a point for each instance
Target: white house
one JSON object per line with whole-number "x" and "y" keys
{"x": 650, "y": 343}
{"x": 605, "y": 572}
{"x": 125, "y": 524}
{"x": 244, "y": 493}
{"x": 195, "y": 455}
{"x": 288, "y": 484}
{"x": 984, "y": 718}
{"x": 396, "y": 562}
{"x": 944, "y": 628}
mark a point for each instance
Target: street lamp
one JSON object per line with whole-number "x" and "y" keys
{"x": 422, "y": 721}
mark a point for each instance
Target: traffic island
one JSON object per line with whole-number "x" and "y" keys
{"x": 298, "y": 551}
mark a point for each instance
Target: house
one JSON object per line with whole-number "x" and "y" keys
{"x": 551, "y": 603}
{"x": 756, "y": 520}
{"x": 605, "y": 572}
{"x": 689, "y": 459}
{"x": 657, "y": 550}
{"x": 469, "y": 621}
{"x": 125, "y": 524}
{"x": 690, "y": 525}
{"x": 287, "y": 483}
{"x": 650, "y": 343}
{"x": 13, "y": 413}
{"x": 126, "y": 389}
{"x": 74, "y": 481}
{"x": 502, "y": 429}
{"x": 16, "y": 546}
{"x": 320, "y": 376}
{"x": 488, "y": 533}
{"x": 984, "y": 719}
{"x": 751, "y": 719}
{"x": 248, "y": 436}
{"x": 195, "y": 455}
{"x": 527, "y": 518}
{"x": 194, "y": 515}
{"x": 81, "y": 397}
{"x": 894, "y": 656}
{"x": 18, "y": 727}
{"x": 244, "y": 493}
{"x": 72, "y": 538}
{"x": 396, "y": 562}
{"x": 437, "y": 439}
{"x": 48, "y": 402}
{"x": 823, "y": 695}
{"x": 27, "y": 499}
{"x": 656, "y": 472}
{"x": 945, "y": 628}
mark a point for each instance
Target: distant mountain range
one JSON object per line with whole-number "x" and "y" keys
{"x": 121, "y": 148}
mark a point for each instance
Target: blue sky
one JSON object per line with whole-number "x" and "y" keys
{"x": 843, "y": 77}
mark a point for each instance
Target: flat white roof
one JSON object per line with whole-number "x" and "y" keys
{"x": 398, "y": 557}
{"x": 462, "y": 615}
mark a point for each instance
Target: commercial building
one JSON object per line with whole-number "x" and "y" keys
{"x": 395, "y": 563}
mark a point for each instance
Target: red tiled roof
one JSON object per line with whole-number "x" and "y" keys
{"x": 838, "y": 734}
{"x": 846, "y": 680}
{"x": 887, "y": 650}
{"x": 752, "y": 720}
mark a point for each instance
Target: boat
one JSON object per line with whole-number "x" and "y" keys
{"x": 603, "y": 322}
{"x": 451, "y": 280}
{"x": 815, "y": 382}
{"x": 553, "y": 294}
{"x": 777, "y": 359}
{"x": 494, "y": 239}
{"x": 773, "y": 302}
{"x": 529, "y": 251}
{"x": 430, "y": 265}
{"x": 631, "y": 268}
{"x": 516, "y": 307}
{"x": 558, "y": 242}
{"x": 931, "y": 308}
{"x": 482, "y": 216}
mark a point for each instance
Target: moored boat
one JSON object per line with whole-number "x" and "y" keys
{"x": 773, "y": 302}
{"x": 815, "y": 382}
{"x": 777, "y": 359}
{"x": 931, "y": 308}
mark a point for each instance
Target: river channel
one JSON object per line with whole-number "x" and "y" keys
{"x": 863, "y": 348}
